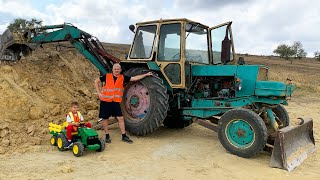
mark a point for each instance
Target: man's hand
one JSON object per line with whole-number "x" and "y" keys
{"x": 149, "y": 74}
{"x": 76, "y": 124}
{"x": 138, "y": 77}
{"x": 100, "y": 95}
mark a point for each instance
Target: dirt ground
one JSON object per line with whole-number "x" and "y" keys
{"x": 38, "y": 89}
{"x": 190, "y": 153}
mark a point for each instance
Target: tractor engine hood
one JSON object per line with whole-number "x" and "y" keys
{"x": 273, "y": 88}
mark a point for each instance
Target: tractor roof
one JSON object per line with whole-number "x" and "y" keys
{"x": 170, "y": 20}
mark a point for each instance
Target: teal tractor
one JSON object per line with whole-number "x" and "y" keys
{"x": 84, "y": 138}
{"x": 196, "y": 79}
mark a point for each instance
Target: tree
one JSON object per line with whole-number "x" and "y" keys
{"x": 317, "y": 55}
{"x": 22, "y": 24}
{"x": 299, "y": 52}
{"x": 284, "y": 51}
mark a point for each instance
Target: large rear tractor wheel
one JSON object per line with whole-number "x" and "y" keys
{"x": 145, "y": 103}
{"x": 242, "y": 132}
{"x": 62, "y": 142}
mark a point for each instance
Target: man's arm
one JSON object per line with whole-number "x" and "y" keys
{"x": 138, "y": 77}
{"x": 97, "y": 85}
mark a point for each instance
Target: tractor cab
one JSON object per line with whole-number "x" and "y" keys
{"x": 175, "y": 44}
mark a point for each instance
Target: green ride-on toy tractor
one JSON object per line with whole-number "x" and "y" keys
{"x": 85, "y": 138}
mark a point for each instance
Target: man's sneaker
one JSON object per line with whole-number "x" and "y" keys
{"x": 99, "y": 120}
{"x": 108, "y": 140}
{"x": 127, "y": 139}
{"x": 70, "y": 144}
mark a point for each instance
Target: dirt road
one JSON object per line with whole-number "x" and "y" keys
{"x": 190, "y": 153}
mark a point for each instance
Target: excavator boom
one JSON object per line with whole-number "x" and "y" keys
{"x": 13, "y": 45}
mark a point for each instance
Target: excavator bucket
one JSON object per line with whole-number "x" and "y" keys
{"x": 13, "y": 45}
{"x": 292, "y": 145}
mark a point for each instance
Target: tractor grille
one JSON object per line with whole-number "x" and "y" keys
{"x": 92, "y": 140}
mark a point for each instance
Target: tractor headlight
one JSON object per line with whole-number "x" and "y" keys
{"x": 238, "y": 84}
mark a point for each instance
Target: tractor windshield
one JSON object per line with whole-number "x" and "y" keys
{"x": 143, "y": 42}
{"x": 196, "y": 44}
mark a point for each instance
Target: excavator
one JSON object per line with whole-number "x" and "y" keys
{"x": 196, "y": 80}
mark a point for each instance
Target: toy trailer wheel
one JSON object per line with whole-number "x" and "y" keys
{"x": 53, "y": 140}
{"x": 77, "y": 149}
{"x": 62, "y": 142}
{"x": 102, "y": 145}
{"x": 242, "y": 132}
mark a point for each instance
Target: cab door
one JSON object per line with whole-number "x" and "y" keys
{"x": 221, "y": 40}
{"x": 170, "y": 53}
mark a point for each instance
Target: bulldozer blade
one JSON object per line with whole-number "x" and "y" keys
{"x": 292, "y": 145}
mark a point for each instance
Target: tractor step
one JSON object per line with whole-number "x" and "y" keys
{"x": 293, "y": 144}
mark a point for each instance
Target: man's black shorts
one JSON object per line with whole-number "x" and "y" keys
{"x": 108, "y": 109}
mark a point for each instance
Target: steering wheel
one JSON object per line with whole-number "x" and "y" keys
{"x": 177, "y": 56}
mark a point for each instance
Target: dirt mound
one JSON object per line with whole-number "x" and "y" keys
{"x": 38, "y": 90}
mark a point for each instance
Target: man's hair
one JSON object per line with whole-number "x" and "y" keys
{"x": 74, "y": 104}
{"x": 116, "y": 65}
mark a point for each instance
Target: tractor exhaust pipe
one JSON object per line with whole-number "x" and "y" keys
{"x": 292, "y": 145}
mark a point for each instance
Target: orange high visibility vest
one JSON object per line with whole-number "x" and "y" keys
{"x": 112, "y": 91}
{"x": 75, "y": 118}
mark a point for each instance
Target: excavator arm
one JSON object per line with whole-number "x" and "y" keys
{"x": 13, "y": 45}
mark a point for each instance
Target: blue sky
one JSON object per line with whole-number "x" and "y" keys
{"x": 258, "y": 26}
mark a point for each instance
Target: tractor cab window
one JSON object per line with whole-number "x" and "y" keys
{"x": 169, "y": 42}
{"x": 221, "y": 38}
{"x": 143, "y": 42}
{"x": 196, "y": 44}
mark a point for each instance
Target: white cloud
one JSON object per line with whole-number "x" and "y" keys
{"x": 258, "y": 26}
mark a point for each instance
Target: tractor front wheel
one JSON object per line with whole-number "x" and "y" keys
{"x": 242, "y": 132}
{"x": 145, "y": 103}
{"x": 102, "y": 144}
{"x": 77, "y": 149}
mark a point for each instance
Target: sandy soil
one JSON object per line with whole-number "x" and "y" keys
{"x": 190, "y": 153}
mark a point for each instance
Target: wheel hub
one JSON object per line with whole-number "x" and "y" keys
{"x": 240, "y": 133}
{"x": 137, "y": 101}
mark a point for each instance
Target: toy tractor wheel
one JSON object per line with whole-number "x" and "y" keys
{"x": 242, "y": 132}
{"x": 102, "y": 145}
{"x": 53, "y": 140}
{"x": 77, "y": 149}
{"x": 62, "y": 142}
{"x": 145, "y": 103}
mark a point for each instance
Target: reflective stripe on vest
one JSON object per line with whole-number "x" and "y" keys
{"x": 73, "y": 118}
{"x": 112, "y": 91}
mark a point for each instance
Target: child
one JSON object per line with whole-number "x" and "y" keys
{"x": 74, "y": 118}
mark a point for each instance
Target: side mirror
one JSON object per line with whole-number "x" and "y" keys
{"x": 132, "y": 28}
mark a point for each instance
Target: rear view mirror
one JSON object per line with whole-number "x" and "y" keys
{"x": 226, "y": 48}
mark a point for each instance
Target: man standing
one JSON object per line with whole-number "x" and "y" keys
{"x": 111, "y": 96}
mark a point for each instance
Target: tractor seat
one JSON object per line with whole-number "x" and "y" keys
{"x": 74, "y": 133}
